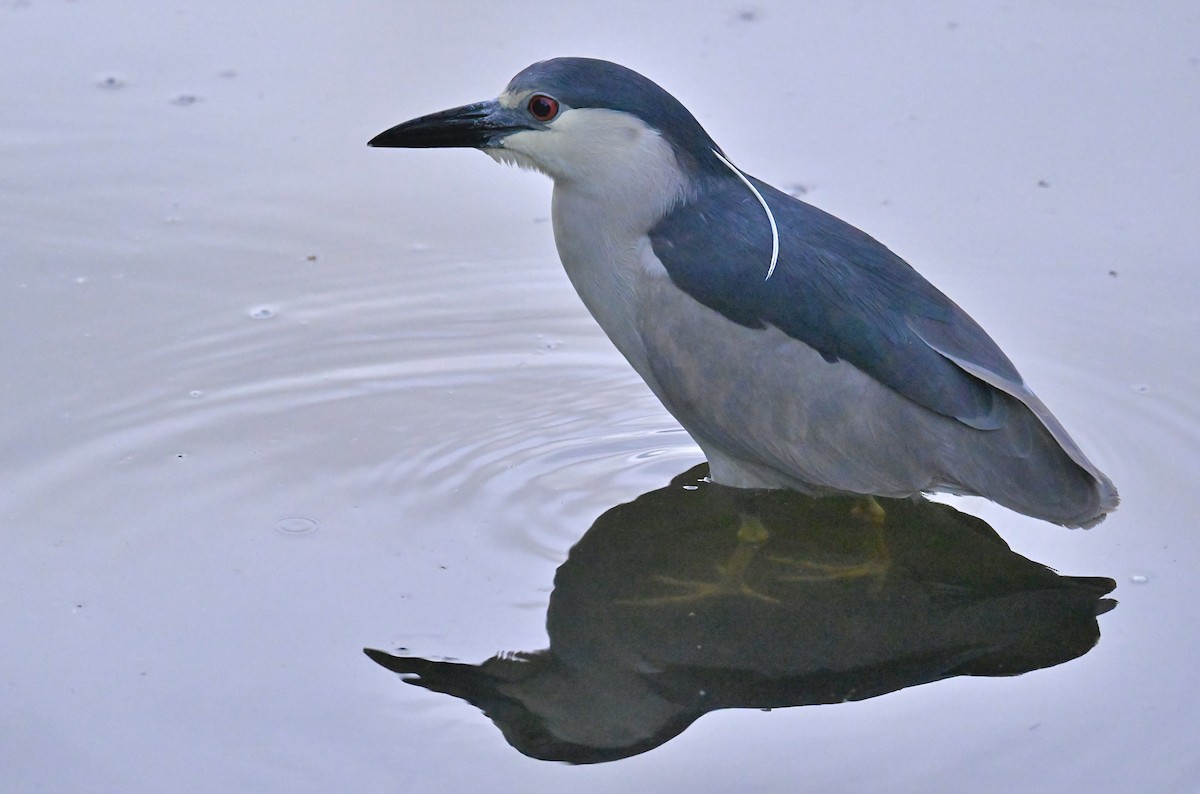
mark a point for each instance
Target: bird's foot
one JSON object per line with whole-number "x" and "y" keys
{"x": 692, "y": 590}
{"x": 812, "y": 571}
{"x": 731, "y": 574}
{"x": 875, "y": 562}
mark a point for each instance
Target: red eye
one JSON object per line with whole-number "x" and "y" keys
{"x": 542, "y": 107}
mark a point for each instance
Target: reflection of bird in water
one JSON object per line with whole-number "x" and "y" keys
{"x": 698, "y": 597}
{"x": 797, "y": 351}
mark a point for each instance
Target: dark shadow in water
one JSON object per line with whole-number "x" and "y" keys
{"x": 698, "y": 597}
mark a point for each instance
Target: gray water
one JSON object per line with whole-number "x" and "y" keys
{"x": 272, "y": 396}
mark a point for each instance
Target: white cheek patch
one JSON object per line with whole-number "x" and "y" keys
{"x": 613, "y": 157}
{"x": 592, "y": 143}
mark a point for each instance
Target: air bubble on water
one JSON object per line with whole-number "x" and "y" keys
{"x": 262, "y": 312}
{"x": 296, "y": 525}
{"x": 1139, "y": 578}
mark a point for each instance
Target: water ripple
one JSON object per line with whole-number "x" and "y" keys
{"x": 525, "y": 405}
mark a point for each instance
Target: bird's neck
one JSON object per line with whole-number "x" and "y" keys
{"x": 603, "y": 243}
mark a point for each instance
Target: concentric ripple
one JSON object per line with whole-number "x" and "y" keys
{"x": 491, "y": 391}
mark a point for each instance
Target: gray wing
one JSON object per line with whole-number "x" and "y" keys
{"x": 948, "y": 346}
{"x": 840, "y": 292}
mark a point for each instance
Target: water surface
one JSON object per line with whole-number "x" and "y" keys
{"x": 272, "y": 396}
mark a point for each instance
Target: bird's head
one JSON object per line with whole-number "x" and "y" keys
{"x": 589, "y": 123}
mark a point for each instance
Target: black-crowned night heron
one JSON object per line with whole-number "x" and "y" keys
{"x": 796, "y": 350}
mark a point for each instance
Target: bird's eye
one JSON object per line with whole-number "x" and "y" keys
{"x": 542, "y": 107}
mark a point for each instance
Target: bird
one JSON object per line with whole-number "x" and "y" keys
{"x": 797, "y": 351}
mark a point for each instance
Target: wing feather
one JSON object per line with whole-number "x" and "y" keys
{"x": 837, "y": 290}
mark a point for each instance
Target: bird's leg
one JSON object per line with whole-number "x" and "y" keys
{"x": 875, "y": 563}
{"x": 731, "y": 574}
{"x": 868, "y": 509}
